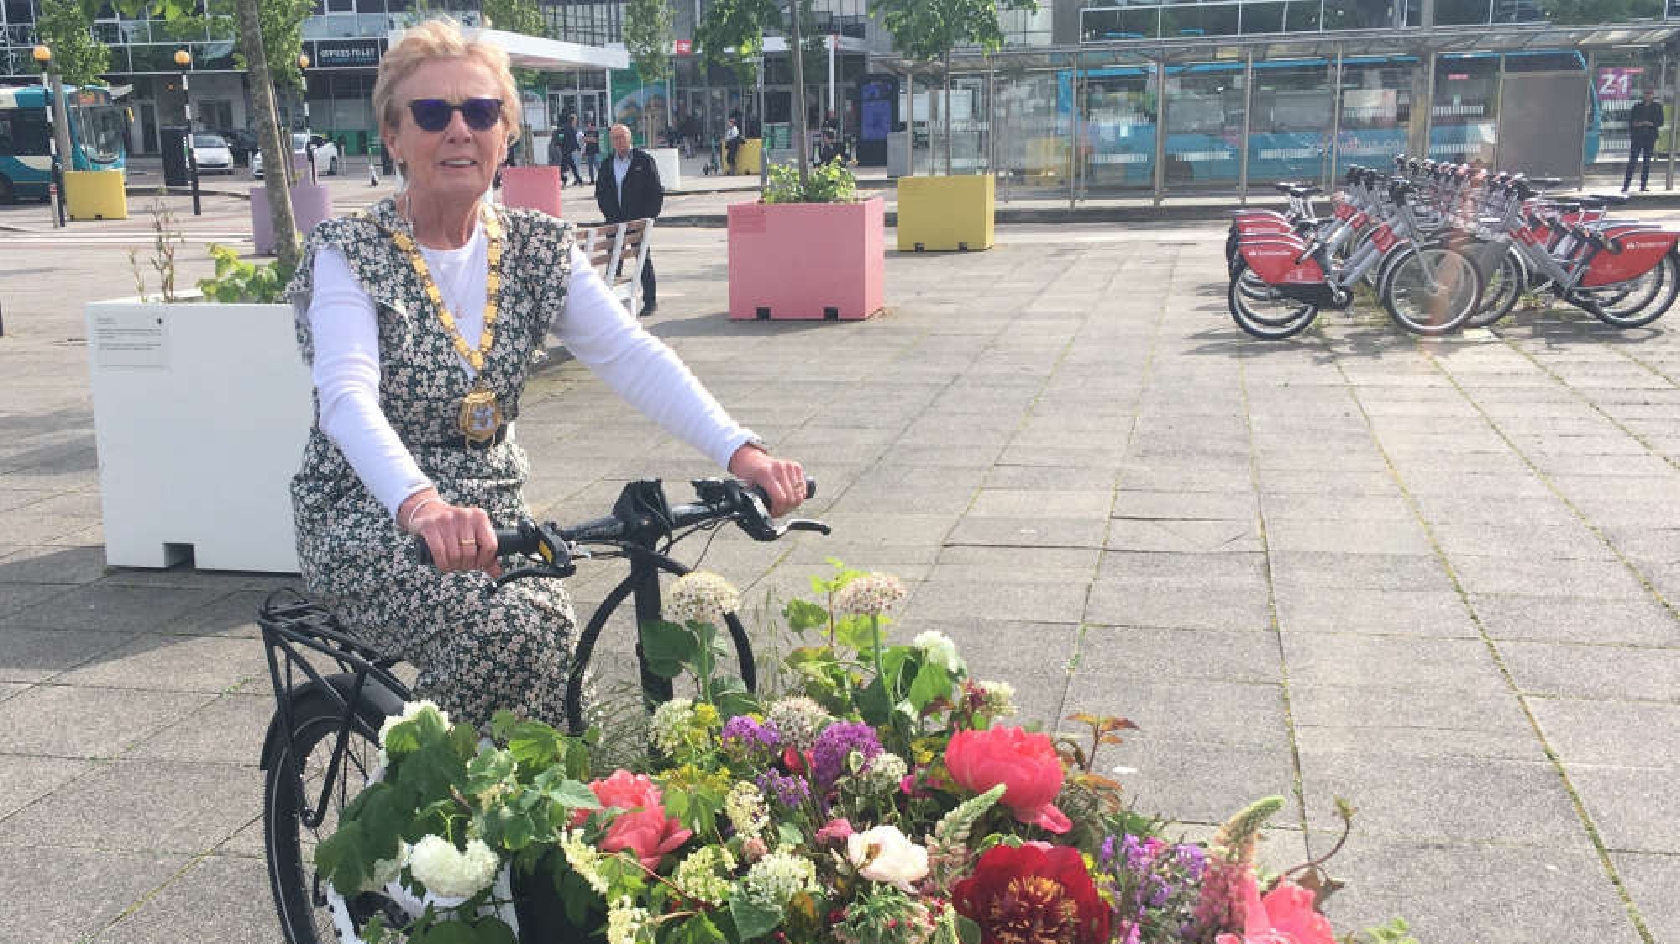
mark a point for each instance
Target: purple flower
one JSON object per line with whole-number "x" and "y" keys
{"x": 746, "y": 735}
{"x": 836, "y": 743}
{"x": 787, "y": 790}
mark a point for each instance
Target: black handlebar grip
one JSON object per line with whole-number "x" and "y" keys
{"x": 508, "y": 541}
{"x": 810, "y": 492}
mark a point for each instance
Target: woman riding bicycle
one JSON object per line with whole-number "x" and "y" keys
{"x": 420, "y": 318}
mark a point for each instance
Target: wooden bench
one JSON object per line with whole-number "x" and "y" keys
{"x": 618, "y": 251}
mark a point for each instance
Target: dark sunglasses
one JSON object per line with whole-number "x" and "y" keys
{"x": 432, "y": 114}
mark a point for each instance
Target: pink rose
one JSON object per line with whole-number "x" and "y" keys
{"x": 648, "y": 834}
{"x": 835, "y": 830}
{"x": 1025, "y": 763}
{"x": 623, "y": 791}
{"x": 1284, "y": 916}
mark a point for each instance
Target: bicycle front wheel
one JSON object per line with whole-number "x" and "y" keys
{"x": 1432, "y": 291}
{"x": 1642, "y": 300}
{"x": 298, "y": 775}
{"x": 1507, "y": 281}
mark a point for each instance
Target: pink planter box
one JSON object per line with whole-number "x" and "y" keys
{"x": 310, "y": 205}
{"x": 536, "y": 188}
{"x": 807, "y": 260}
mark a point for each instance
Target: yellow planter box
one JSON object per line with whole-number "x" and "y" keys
{"x": 95, "y": 195}
{"x": 946, "y": 213}
{"x": 748, "y": 157}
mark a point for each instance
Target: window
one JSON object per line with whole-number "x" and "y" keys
{"x": 23, "y": 132}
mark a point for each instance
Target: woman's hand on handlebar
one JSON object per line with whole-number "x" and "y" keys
{"x": 782, "y": 479}
{"x": 459, "y": 538}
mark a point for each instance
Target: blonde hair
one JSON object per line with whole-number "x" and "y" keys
{"x": 428, "y": 42}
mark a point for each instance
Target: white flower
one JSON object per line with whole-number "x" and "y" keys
{"x": 883, "y": 854}
{"x": 701, "y": 597}
{"x": 869, "y": 595}
{"x": 411, "y": 710}
{"x": 671, "y": 722}
{"x": 626, "y": 922}
{"x": 449, "y": 872}
{"x": 1000, "y": 698}
{"x": 799, "y": 719}
{"x": 744, "y": 806}
{"x": 776, "y": 878}
{"x": 704, "y": 874}
{"x": 940, "y": 650}
{"x": 386, "y": 871}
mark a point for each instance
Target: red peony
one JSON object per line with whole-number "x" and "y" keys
{"x": 648, "y": 834}
{"x": 623, "y": 791}
{"x": 1033, "y": 894}
{"x": 1026, "y": 764}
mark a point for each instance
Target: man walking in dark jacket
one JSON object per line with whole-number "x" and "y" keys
{"x": 1643, "y": 121}
{"x": 565, "y": 142}
{"x": 627, "y": 187}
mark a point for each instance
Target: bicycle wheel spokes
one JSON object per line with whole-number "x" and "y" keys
{"x": 1639, "y": 301}
{"x": 1433, "y": 290}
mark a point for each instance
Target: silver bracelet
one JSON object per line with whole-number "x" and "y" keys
{"x": 409, "y": 527}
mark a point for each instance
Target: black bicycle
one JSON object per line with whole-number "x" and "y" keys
{"x": 333, "y": 693}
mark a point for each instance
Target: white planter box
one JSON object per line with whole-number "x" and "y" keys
{"x": 669, "y": 162}
{"x": 200, "y": 412}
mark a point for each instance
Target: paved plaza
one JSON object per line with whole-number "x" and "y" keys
{"x": 1435, "y": 578}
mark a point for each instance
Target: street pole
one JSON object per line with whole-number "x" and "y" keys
{"x": 763, "y": 153}
{"x": 43, "y": 57}
{"x": 183, "y": 59}
{"x": 833, "y": 43}
{"x": 802, "y": 141}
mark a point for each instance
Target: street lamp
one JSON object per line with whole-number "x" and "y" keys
{"x": 303, "y": 96}
{"x": 183, "y": 61}
{"x": 42, "y": 55}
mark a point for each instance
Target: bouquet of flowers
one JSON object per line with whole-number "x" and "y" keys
{"x": 884, "y": 797}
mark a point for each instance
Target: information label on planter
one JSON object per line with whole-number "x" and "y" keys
{"x": 132, "y": 338}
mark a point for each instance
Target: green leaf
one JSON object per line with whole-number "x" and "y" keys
{"x": 967, "y": 930}
{"x": 493, "y": 930}
{"x": 874, "y": 703}
{"x": 931, "y": 683}
{"x": 571, "y": 794}
{"x": 789, "y": 834}
{"x": 450, "y": 931}
{"x": 667, "y": 647}
{"x": 861, "y": 633}
{"x": 698, "y": 930}
{"x": 752, "y": 919}
{"x": 487, "y": 769}
{"x": 343, "y": 858}
{"x": 804, "y": 615}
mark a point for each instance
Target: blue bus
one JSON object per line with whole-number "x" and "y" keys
{"x": 98, "y": 131}
{"x": 1289, "y": 119}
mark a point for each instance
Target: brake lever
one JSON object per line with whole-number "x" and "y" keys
{"x": 806, "y": 524}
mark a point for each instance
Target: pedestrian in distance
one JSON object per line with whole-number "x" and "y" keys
{"x": 419, "y": 317}
{"x": 1644, "y": 120}
{"x": 832, "y": 149}
{"x": 627, "y": 187}
{"x": 731, "y": 145}
{"x": 569, "y": 145}
{"x": 591, "y": 149}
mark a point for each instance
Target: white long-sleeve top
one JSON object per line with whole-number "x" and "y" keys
{"x": 592, "y": 324}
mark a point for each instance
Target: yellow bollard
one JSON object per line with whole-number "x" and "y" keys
{"x": 95, "y": 195}
{"x": 750, "y": 153}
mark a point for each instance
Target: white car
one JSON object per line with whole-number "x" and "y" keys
{"x": 211, "y": 153}
{"x": 324, "y": 152}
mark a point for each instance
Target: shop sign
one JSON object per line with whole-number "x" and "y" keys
{"x": 1617, "y": 83}
{"x": 345, "y": 53}
{"x": 684, "y": 47}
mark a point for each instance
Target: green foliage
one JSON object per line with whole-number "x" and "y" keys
{"x": 648, "y": 38}
{"x": 515, "y": 16}
{"x": 1396, "y": 931}
{"x": 1599, "y": 12}
{"x": 929, "y": 29}
{"x": 66, "y": 27}
{"x": 239, "y": 282}
{"x": 828, "y": 183}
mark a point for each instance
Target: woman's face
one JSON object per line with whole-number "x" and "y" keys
{"x": 458, "y": 161}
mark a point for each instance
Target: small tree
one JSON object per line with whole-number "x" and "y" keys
{"x": 648, "y": 39}
{"x": 927, "y": 30}
{"x": 519, "y": 16}
{"x": 66, "y": 26}
{"x": 733, "y": 32}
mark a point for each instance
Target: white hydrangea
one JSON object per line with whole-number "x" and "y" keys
{"x": 940, "y": 650}
{"x": 704, "y": 874}
{"x": 584, "y": 859}
{"x": 411, "y": 710}
{"x": 869, "y": 595}
{"x": 450, "y": 872}
{"x": 626, "y": 922}
{"x": 745, "y": 808}
{"x": 701, "y": 597}
{"x": 669, "y": 727}
{"x": 779, "y": 876}
{"x": 1000, "y": 698}
{"x": 386, "y": 871}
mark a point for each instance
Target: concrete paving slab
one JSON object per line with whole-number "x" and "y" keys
{"x": 52, "y": 565}
{"x": 34, "y": 655}
{"x": 1631, "y": 807}
{"x": 1313, "y": 571}
{"x": 88, "y": 722}
{"x": 1566, "y": 669}
{"x": 138, "y": 806}
{"x": 23, "y": 780}
{"x": 229, "y": 729}
{"x": 1115, "y": 653}
{"x": 156, "y": 662}
{"x": 1201, "y": 711}
{"x": 56, "y": 894}
{"x": 1640, "y": 622}
{"x": 1198, "y": 536}
{"x": 112, "y": 608}
{"x": 1194, "y": 783}
{"x": 1376, "y": 612}
{"x": 224, "y": 898}
{"x": 1392, "y": 662}
{"x": 1653, "y": 882}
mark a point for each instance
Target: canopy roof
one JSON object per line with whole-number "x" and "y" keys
{"x": 545, "y": 55}
{"x": 1350, "y": 43}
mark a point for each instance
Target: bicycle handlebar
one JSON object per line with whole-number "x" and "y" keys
{"x": 719, "y": 499}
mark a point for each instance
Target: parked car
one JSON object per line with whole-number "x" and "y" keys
{"x": 242, "y": 143}
{"x": 211, "y": 153}
{"x": 325, "y": 154}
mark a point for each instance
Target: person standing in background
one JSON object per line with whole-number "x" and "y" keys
{"x": 627, "y": 187}
{"x": 1644, "y": 120}
{"x": 591, "y": 148}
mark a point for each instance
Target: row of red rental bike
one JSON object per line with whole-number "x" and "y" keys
{"x": 1445, "y": 246}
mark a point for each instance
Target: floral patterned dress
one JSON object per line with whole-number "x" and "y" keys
{"x": 479, "y": 648}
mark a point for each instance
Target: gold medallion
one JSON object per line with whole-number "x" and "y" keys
{"x": 481, "y": 415}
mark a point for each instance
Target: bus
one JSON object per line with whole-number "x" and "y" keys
{"x": 98, "y": 130}
{"x": 1288, "y": 130}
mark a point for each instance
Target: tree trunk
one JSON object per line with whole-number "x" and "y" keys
{"x": 947, "y": 111}
{"x": 801, "y": 144}
{"x": 910, "y": 121}
{"x": 276, "y": 149}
